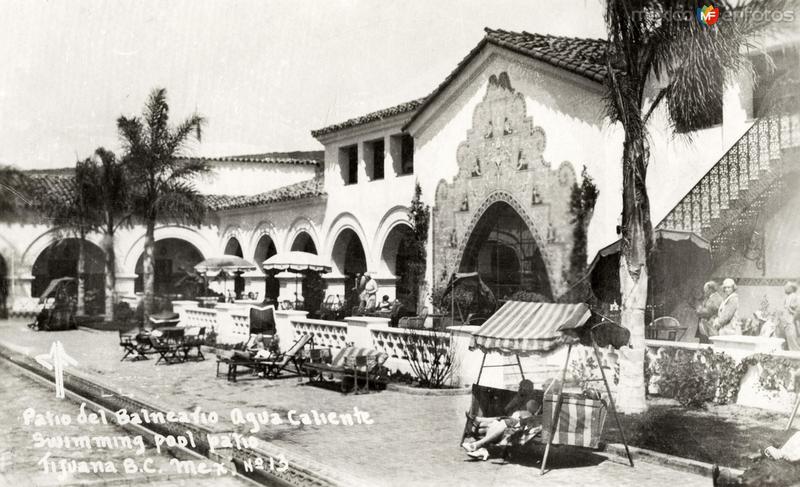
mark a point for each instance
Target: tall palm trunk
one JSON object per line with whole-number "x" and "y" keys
{"x": 149, "y": 279}
{"x": 633, "y": 274}
{"x": 111, "y": 273}
{"x": 80, "y": 306}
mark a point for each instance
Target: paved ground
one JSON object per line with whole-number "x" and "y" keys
{"x": 21, "y": 456}
{"x": 413, "y": 440}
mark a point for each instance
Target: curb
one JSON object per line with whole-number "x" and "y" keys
{"x": 418, "y": 391}
{"x": 671, "y": 461}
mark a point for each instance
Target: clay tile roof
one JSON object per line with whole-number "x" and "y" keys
{"x": 309, "y": 188}
{"x": 60, "y": 186}
{"x": 585, "y": 57}
{"x": 260, "y": 159}
{"x": 406, "y": 107}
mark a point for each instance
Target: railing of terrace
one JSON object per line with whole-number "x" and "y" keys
{"x": 201, "y": 317}
{"x": 326, "y": 334}
{"x": 755, "y": 154}
{"x": 395, "y": 342}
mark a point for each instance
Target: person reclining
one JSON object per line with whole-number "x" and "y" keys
{"x": 522, "y": 413}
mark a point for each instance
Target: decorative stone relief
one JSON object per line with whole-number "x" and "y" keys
{"x": 502, "y": 160}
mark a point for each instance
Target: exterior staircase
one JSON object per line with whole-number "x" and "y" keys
{"x": 755, "y": 174}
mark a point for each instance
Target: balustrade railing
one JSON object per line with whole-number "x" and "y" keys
{"x": 755, "y": 153}
{"x": 326, "y": 334}
{"x": 395, "y": 342}
{"x": 201, "y": 317}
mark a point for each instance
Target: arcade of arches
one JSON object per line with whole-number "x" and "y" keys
{"x": 233, "y": 247}
{"x": 349, "y": 260}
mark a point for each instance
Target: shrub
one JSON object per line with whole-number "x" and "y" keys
{"x": 694, "y": 379}
{"x": 431, "y": 357}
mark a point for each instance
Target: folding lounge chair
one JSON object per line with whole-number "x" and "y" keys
{"x": 167, "y": 350}
{"x": 274, "y": 366}
{"x": 194, "y": 341}
{"x": 131, "y": 346}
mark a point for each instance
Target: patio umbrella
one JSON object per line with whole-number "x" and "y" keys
{"x": 224, "y": 265}
{"x": 296, "y": 262}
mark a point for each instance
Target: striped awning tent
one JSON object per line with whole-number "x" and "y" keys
{"x": 523, "y": 328}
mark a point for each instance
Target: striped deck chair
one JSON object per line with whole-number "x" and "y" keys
{"x": 346, "y": 364}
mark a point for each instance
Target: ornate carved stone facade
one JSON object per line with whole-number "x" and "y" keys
{"x": 501, "y": 160}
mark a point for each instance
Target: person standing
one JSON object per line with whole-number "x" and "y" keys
{"x": 707, "y": 312}
{"x": 371, "y": 292}
{"x": 727, "y": 321}
{"x": 789, "y": 317}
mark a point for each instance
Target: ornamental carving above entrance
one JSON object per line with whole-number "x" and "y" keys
{"x": 501, "y": 163}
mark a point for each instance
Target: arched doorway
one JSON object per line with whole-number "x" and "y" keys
{"x": 349, "y": 259}
{"x": 313, "y": 287}
{"x": 233, "y": 247}
{"x": 397, "y": 256}
{"x": 502, "y": 249}
{"x": 304, "y": 243}
{"x": 60, "y": 259}
{"x": 264, "y": 250}
{"x": 174, "y": 260}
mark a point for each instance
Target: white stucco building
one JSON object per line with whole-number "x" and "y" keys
{"x": 497, "y": 149}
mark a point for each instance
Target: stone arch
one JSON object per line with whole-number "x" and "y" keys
{"x": 60, "y": 259}
{"x": 190, "y": 235}
{"x": 263, "y": 228}
{"x": 302, "y": 225}
{"x": 346, "y": 221}
{"x": 232, "y": 232}
{"x": 233, "y": 247}
{"x": 45, "y": 240}
{"x": 175, "y": 259}
{"x": 304, "y": 242}
{"x": 535, "y": 253}
{"x": 397, "y": 215}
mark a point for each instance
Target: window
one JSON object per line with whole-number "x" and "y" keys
{"x": 348, "y": 161}
{"x": 406, "y": 154}
{"x": 378, "y": 157}
{"x": 776, "y": 80}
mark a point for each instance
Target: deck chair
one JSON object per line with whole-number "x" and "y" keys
{"x": 194, "y": 341}
{"x": 167, "y": 350}
{"x": 344, "y": 365}
{"x": 130, "y": 346}
{"x": 262, "y": 320}
{"x": 274, "y": 366}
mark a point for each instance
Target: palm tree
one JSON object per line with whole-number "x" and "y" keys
{"x": 75, "y": 213}
{"x": 660, "y": 45}
{"x": 109, "y": 184}
{"x": 161, "y": 176}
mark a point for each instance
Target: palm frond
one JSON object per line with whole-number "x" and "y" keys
{"x": 181, "y": 135}
{"x": 180, "y": 202}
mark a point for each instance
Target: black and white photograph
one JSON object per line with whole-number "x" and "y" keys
{"x": 353, "y": 243}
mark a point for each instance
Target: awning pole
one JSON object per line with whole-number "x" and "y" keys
{"x": 557, "y": 411}
{"x": 611, "y": 400}
{"x": 521, "y": 372}
{"x": 477, "y": 382}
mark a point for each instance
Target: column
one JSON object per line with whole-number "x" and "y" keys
{"x": 336, "y": 285}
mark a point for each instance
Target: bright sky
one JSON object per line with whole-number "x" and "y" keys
{"x": 264, "y": 73}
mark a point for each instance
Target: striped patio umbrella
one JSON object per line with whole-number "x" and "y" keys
{"x": 522, "y": 328}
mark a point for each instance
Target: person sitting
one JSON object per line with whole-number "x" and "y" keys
{"x": 521, "y": 411}
{"x": 385, "y": 304}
